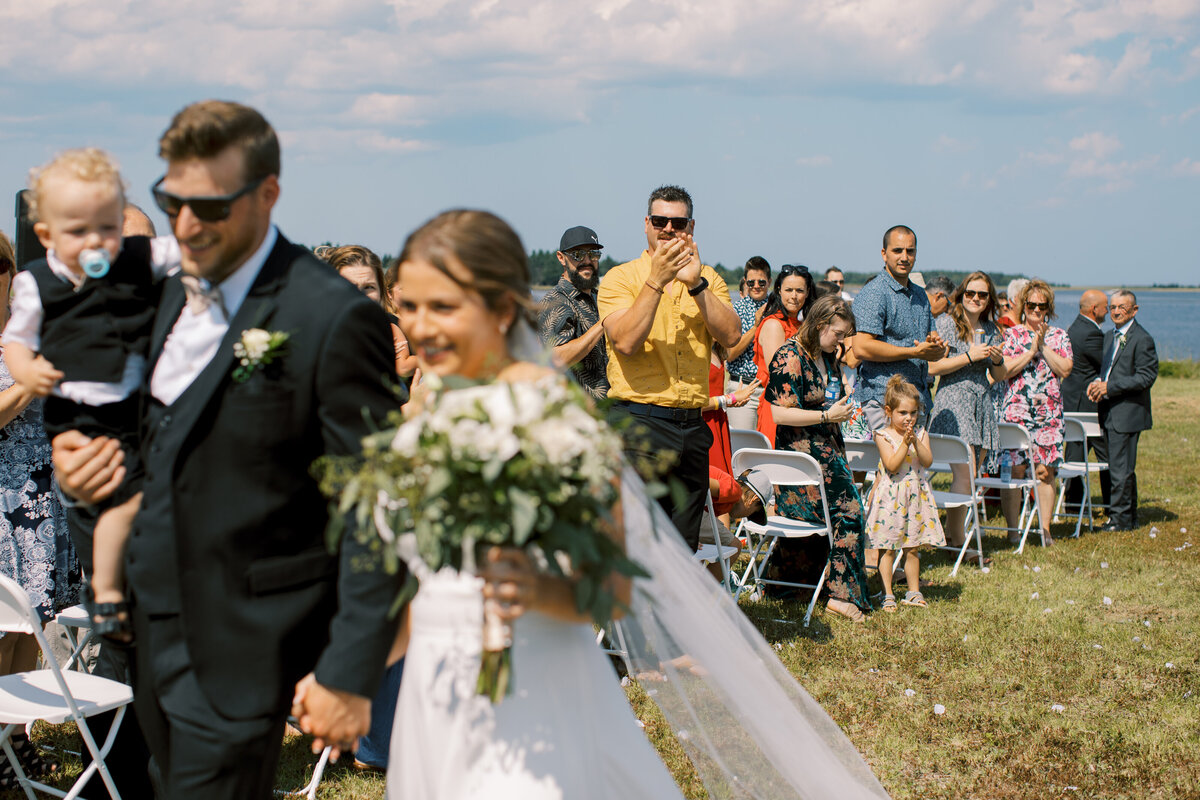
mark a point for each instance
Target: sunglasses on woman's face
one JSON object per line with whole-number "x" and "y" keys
{"x": 1038, "y": 306}
{"x": 793, "y": 269}
{"x": 971, "y": 294}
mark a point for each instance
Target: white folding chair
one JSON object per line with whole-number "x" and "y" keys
{"x": 783, "y": 468}
{"x": 716, "y": 553}
{"x": 55, "y": 696}
{"x": 862, "y": 455}
{"x": 1074, "y": 431}
{"x": 951, "y": 450}
{"x": 1015, "y": 437}
{"x": 78, "y": 626}
{"x": 1090, "y": 421}
{"x": 742, "y": 438}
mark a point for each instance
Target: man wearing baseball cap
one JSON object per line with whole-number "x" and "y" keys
{"x": 569, "y": 321}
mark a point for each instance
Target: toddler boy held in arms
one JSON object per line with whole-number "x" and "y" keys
{"x": 79, "y": 335}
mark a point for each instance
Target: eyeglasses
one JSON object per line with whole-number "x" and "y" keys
{"x": 1038, "y": 306}
{"x": 837, "y": 282}
{"x": 580, "y": 256}
{"x": 757, "y": 282}
{"x": 207, "y": 209}
{"x": 971, "y": 294}
{"x": 1123, "y": 309}
{"x": 676, "y": 223}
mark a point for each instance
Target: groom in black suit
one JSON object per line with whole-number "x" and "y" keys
{"x": 1122, "y": 394}
{"x": 1087, "y": 348}
{"x": 236, "y": 597}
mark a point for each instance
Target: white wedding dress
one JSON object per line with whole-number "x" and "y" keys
{"x": 565, "y": 733}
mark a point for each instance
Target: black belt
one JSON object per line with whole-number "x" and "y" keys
{"x": 661, "y": 412}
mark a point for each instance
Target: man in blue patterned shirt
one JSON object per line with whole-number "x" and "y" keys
{"x": 742, "y": 372}
{"x": 895, "y": 333}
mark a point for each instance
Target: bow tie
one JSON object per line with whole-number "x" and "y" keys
{"x": 201, "y": 294}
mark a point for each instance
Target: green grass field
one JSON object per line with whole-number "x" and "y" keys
{"x": 1002, "y": 651}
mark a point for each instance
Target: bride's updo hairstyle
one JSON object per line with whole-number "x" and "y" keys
{"x": 491, "y": 252}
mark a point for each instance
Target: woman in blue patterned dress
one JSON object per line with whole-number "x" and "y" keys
{"x": 808, "y": 400}
{"x": 35, "y": 547}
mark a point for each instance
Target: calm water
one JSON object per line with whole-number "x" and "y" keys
{"x": 1171, "y": 317}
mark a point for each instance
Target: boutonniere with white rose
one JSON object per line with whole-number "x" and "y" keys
{"x": 257, "y": 349}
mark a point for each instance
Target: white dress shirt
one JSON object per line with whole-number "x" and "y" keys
{"x": 195, "y": 338}
{"x": 25, "y": 324}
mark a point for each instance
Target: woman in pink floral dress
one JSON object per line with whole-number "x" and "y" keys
{"x": 1037, "y": 357}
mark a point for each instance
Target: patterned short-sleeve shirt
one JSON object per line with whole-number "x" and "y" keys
{"x": 743, "y": 368}
{"x": 567, "y": 314}
{"x": 898, "y": 315}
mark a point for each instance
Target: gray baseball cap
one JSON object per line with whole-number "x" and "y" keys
{"x": 758, "y": 482}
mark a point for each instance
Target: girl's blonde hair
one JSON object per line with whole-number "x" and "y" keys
{"x": 898, "y": 389}
{"x": 84, "y": 163}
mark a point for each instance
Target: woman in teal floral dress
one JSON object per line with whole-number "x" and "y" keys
{"x": 808, "y": 400}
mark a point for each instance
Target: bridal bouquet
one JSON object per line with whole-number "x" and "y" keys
{"x": 526, "y": 465}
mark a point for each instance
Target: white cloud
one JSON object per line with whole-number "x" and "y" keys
{"x": 1096, "y": 144}
{"x": 814, "y": 161}
{"x": 1187, "y": 167}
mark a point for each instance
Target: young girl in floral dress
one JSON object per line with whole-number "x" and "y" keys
{"x": 902, "y": 514}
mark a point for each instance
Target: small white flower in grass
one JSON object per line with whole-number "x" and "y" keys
{"x": 1108, "y": 601}
{"x": 1153, "y": 535}
{"x": 1033, "y": 596}
{"x": 1183, "y": 530}
{"x": 1103, "y": 565}
{"x": 1137, "y": 638}
{"x": 1070, "y": 602}
{"x": 964, "y": 638}
{"x": 1047, "y": 610}
{"x": 1072, "y": 788}
{"x": 1078, "y": 568}
{"x": 1058, "y": 707}
{"x": 1026, "y": 566}
{"x": 625, "y": 681}
{"x": 1153, "y": 529}
{"x": 1037, "y": 569}
{"x": 985, "y": 570}
{"x": 1170, "y": 665}
{"x": 1145, "y": 647}
{"x": 872, "y": 671}
{"x": 939, "y": 709}
{"x": 1186, "y": 695}
{"x": 1098, "y": 647}
{"x": 909, "y": 692}
{"x": 1146, "y": 623}
{"x": 778, "y": 646}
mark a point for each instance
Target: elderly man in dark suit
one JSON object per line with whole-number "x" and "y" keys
{"x": 1087, "y": 345}
{"x": 262, "y": 360}
{"x": 1122, "y": 394}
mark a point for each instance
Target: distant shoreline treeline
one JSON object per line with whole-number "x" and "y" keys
{"x": 545, "y": 269}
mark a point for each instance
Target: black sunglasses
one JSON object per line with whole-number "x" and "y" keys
{"x": 971, "y": 294}
{"x": 792, "y": 269}
{"x": 1038, "y": 306}
{"x": 757, "y": 282}
{"x": 206, "y": 209}
{"x": 677, "y": 223}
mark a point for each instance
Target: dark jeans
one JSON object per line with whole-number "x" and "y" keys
{"x": 373, "y": 748}
{"x": 686, "y": 442}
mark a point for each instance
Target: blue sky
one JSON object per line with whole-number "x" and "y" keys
{"x": 1054, "y": 137}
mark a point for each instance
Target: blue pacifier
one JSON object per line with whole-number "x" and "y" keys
{"x": 95, "y": 263}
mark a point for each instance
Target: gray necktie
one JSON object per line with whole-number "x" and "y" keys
{"x": 201, "y": 294}
{"x": 1118, "y": 340}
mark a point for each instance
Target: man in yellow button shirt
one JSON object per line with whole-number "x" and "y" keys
{"x": 662, "y": 313}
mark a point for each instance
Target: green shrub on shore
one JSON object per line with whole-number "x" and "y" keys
{"x": 1186, "y": 368}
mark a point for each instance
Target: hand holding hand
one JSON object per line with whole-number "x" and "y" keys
{"x": 88, "y": 469}
{"x": 1097, "y": 391}
{"x": 334, "y": 718}
{"x": 511, "y": 582}
{"x": 929, "y": 350}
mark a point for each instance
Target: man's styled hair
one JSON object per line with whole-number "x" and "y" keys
{"x": 205, "y": 129}
{"x": 898, "y": 229}
{"x": 939, "y": 284}
{"x": 757, "y": 263}
{"x": 1125, "y": 293}
{"x": 671, "y": 194}
{"x": 833, "y": 269}
{"x": 88, "y": 164}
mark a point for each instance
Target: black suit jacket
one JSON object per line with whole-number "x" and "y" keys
{"x": 262, "y": 598}
{"x": 1127, "y": 407}
{"x": 1087, "y": 348}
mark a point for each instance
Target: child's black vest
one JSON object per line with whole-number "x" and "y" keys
{"x": 89, "y": 332}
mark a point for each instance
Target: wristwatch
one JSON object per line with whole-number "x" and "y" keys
{"x": 699, "y": 287}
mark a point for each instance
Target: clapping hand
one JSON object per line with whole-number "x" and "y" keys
{"x": 667, "y": 261}
{"x": 689, "y": 272}
{"x": 1039, "y": 338}
{"x": 742, "y": 395}
{"x": 333, "y": 717}
{"x": 932, "y": 349}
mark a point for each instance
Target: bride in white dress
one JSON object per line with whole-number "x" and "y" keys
{"x": 567, "y": 732}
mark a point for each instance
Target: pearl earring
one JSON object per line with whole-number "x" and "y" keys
{"x": 503, "y": 328}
